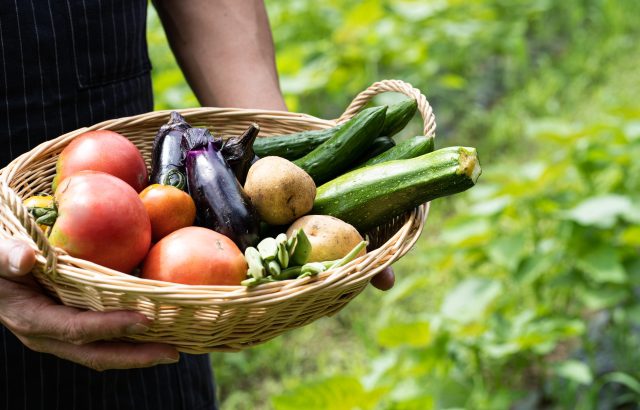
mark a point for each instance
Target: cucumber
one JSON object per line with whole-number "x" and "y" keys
{"x": 293, "y": 146}
{"x": 369, "y": 196}
{"x": 398, "y": 116}
{"x": 411, "y": 148}
{"x": 342, "y": 150}
{"x": 299, "y": 144}
{"x": 377, "y": 147}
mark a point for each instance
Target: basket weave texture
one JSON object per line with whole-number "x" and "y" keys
{"x": 200, "y": 319}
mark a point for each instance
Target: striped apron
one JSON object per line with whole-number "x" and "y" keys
{"x": 65, "y": 64}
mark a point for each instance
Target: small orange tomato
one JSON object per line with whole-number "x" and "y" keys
{"x": 169, "y": 209}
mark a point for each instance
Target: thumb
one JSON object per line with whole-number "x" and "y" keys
{"x": 16, "y": 258}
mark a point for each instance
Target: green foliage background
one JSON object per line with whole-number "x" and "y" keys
{"x": 522, "y": 292}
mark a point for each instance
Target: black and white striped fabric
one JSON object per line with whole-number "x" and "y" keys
{"x": 65, "y": 64}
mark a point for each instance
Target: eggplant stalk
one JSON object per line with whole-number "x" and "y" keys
{"x": 238, "y": 152}
{"x": 167, "y": 166}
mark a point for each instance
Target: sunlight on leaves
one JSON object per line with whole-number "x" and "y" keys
{"x": 575, "y": 371}
{"x": 602, "y": 211}
{"x": 340, "y": 393}
{"x": 469, "y": 301}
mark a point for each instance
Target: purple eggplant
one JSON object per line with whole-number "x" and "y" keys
{"x": 238, "y": 152}
{"x": 221, "y": 203}
{"x": 195, "y": 138}
{"x": 167, "y": 158}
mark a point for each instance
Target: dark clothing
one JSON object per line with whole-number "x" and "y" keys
{"x": 65, "y": 64}
{"x": 30, "y": 380}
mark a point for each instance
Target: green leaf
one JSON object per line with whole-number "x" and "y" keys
{"x": 602, "y": 211}
{"x": 575, "y": 371}
{"x": 507, "y": 251}
{"x": 468, "y": 301}
{"x": 625, "y": 379}
{"x": 467, "y": 232}
{"x": 414, "y": 334}
{"x": 418, "y": 10}
{"x": 602, "y": 297}
{"x": 534, "y": 267}
{"x": 339, "y": 393}
{"x": 490, "y": 207}
{"x": 632, "y": 130}
{"x": 631, "y": 236}
{"x": 603, "y": 266}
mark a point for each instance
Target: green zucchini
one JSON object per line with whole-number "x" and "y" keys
{"x": 410, "y": 148}
{"x": 341, "y": 151}
{"x": 369, "y": 196}
{"x": 299, "y": 144}
{"x": 398, "y": 116}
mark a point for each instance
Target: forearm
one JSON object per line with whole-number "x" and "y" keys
{"x": 225, "y": 50}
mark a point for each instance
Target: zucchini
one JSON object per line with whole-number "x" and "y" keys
{"x": 369, "y": 196}
{"x": 299, "y": 144}
{"x": 398, "y": 116}
{"x": 342, "y": 150}
{"x": 411, "y": 148}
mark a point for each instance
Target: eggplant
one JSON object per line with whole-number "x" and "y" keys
{"x": 239, "y": 154}
{"x": 167, "y": 157}
{"x": 194, "y": 138}
{"x": 221, "y": 203}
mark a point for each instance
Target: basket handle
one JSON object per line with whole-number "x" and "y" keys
{"x": 12, "y": 204}
{"x": 399, "y": 86}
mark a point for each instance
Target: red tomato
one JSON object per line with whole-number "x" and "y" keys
{"x": 196, "y": 256}
{"x": 104, "y": 151}
{"x": 101, "y": 219}
{"x": 169, "y": 209}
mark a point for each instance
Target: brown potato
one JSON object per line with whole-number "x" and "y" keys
{"x": 280, "y": 190}
{"x": 331, "y": 238}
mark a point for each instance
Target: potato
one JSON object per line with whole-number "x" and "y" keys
{"x": 280, "y": 190}
{"x": 331, "y": 238}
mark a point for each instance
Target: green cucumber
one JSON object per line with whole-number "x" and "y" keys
{"x": 378, "y": 146}
{"x": 342, "y": 150}
{"x": 398, "y": 116}
{"x": 410, "y": 148}
{"x": 369, "y": 196}
{"x": 293, "y": 146}
{"x": 299, "y": 144}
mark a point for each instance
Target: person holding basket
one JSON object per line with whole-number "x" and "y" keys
{"x": 73, "y": 63}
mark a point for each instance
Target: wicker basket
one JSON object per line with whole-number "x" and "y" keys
{"x": 201, "y": 319}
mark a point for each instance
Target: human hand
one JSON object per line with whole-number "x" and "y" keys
{"x": 384, "y": 280}
{"x": 72, "y": 334}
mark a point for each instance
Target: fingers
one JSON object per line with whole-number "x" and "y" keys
{"x": 75, "y": 326}
{"x": 16, "y": 258}
{"x": 78, "y": 335}
{"x": 108, "y": 355}
{"x": 384, "y": 280}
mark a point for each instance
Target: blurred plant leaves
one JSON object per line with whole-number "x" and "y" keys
{"x": 507, "y": 251}
{"x": 470, "y": 299}
{"x": 414, "y": 334}
{"x": 602, "y": 265}
{"x": 603, "y": 211}
{"x": 340, "y": 393}
{"x": 575, "y": 371}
